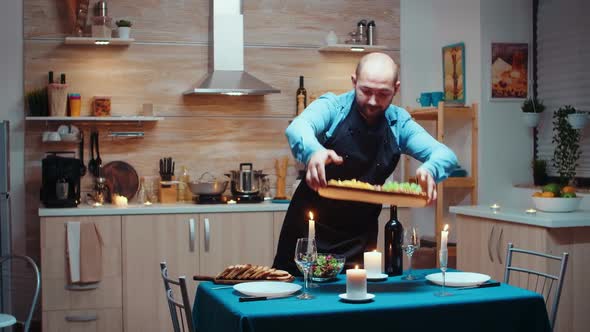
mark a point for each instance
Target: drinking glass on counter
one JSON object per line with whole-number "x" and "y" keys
{"x": 411, "y": 243}
{"x": 305, "y": 256}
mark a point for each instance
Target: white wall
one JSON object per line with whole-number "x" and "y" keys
{"x": 505, "y": 144}
{"x": 427, "y": 26}
{"x": 11, "y": 109}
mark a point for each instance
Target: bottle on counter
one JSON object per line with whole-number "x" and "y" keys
{"x": 371, "y": 33}
{"x": 183, "y": 187}
{"x": 50, "y": 77}
{"x": 62, "y": 78}
{"x": 301, "y": 96}
{"x": 393, "y": 244}
{"x": 361, "y": 28}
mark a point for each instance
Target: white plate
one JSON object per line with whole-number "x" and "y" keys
{"x": 267, "y": 288}
{"x": 377, "y": 277}
{"x": 458, "y": 279}
{"x": 344, "y": 297}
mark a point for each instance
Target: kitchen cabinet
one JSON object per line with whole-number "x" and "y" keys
{"x": 235, "y": 238}
{"x": 482, "y": 248}
{"x": 278, "y": 218}
{"x": 61, "y": 305}
{"x": 147, "y": 241}
{"x": 442, "y": 116}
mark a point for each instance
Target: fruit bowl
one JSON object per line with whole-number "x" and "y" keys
{"x": 327, "y": 267}
{"x": 557, "y": 204}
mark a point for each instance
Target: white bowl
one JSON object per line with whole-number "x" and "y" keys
{"x": 557, "y": 204}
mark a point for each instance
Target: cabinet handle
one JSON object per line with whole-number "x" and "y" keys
{"x": 490, "y": 244}
{"x": 191, "y": 238}
{"x": 207, "y": 234}
{"x": 81, "y": 318}
{"x": 499, "y": 246}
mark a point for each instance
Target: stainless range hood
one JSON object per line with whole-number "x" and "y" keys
{"x": 228, "y": 76}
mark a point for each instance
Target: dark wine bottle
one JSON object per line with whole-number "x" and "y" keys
{"x": 301, "y": 97}
{"x": 393, "y": 245}
{"x": 50, "y": 77}
{"x": 62, "y": 79}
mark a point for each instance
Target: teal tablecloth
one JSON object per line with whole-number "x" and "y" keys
{"x": 399, "y": 305}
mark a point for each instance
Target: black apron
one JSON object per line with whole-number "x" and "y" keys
{"x": 342, "y": 227}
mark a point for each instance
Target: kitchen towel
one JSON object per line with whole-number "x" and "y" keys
{"x": 84, "y": 252}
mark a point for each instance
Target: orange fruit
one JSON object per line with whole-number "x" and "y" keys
{"x": 568, "y": 189}
{"x": 547, "y": 194}
{"x": 538, "y": 194}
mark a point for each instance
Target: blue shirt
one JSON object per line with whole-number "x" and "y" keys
{"x": 318, "y": 122}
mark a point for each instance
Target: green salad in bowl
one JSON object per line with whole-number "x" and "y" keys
{"x": 327, "y": 267}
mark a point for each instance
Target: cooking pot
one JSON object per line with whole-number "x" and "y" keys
{"x": 211, "y": 186}
{"x": 246, "y": 180}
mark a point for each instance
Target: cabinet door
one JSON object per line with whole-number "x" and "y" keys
{"x": 476, "y": 251}
{"x": 55, "y": 293}
{"x": 147, "y": 241}
{"x": 235, "y": 238}
{"x": 110, "y": 320}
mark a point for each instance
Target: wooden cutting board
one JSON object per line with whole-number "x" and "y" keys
{"x": 234, "y": 281}
{"x": 121, "y": 178}
{"x": 373, "y": 196}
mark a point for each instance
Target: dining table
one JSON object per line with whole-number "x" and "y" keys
{"x": 398, "y": 305}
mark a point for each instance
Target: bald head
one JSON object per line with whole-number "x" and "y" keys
{"x": 378, "y": 66}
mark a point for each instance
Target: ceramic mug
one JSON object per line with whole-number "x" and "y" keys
{"x": 425, "y": 99}
{"x": 436, "y": 97}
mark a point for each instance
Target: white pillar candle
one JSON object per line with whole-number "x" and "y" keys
{"x": 444, "y": 237}
{"x": 372, "y": 261}
{"x": 311, "y": 228}
{"x": 120, "y": 201}
{"x": 356, "y": 283}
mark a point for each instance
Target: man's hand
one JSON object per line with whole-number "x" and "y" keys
{"x": 426, "y": 181}
{"x": 316, "y": 168}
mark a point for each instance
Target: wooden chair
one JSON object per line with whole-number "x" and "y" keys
{"x": 537, "y": 281}
{"x": 180, "y": 313}
{"x": 26, "y": 324}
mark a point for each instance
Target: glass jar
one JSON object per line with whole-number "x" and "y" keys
{"x": 101, "y": 27}
{"x": 101, "y": 106}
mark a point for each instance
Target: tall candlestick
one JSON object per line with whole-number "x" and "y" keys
{"x": 372, "y": 261}
{"x": 356, "y": 283}
{"x": 444, "y": 236}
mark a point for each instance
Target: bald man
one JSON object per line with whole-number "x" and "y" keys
{"x": 356, "y": 135}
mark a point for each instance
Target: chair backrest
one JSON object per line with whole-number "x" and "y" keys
{"x": 180, "y": 312}
{"x": 7, "y": 259}
{"x": 538, "y": 281}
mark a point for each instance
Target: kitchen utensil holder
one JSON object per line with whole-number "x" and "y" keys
{"x": 168, "y": 192}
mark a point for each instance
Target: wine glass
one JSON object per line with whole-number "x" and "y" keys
{"x": 305, "y": 255}
{"x": 410, "y": 244}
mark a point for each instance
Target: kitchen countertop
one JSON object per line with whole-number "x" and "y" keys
{"x": 134, "y": 209}
{"x": 580, "y": 218}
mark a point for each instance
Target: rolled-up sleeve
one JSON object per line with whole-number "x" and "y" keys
{"x": 436, "y": 157}
{"x": 312, "y": 123}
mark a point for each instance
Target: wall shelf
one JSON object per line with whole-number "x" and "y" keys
{"x": 95, "y": 118}
{"x": 352, "y": 48}
{"x": 98, "y": 41}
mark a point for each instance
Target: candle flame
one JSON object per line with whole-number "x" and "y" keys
{"x": 446, "y": 227}
{"x": 375, "y": 250}
{"x": 356, "y": 267}
{"x": 310, "y": 215}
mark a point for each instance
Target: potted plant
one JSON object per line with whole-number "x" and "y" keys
{"x": 539, "y": 172}
{"x": 577, "y": 119}
{"x": 532, "y": 109}
{"x": 567, "y": 145}
{"x": 124, "y": 28}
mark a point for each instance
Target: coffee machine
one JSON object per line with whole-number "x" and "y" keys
{"x": 60, "y": 180}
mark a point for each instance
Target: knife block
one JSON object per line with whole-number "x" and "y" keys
{"x": 168, "y": 192}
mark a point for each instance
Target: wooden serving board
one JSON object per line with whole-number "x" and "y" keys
{"x": 373, "y": 196}
{"x": 234, "y": 281}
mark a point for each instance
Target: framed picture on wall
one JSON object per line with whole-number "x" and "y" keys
{"x": 454, "y": 73}
{"x": 510, "y": 74}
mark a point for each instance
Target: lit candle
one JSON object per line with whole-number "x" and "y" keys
{"x": 311, "y": 228}
{"x": 148, "y": 203}
{"x": 531, "y": 211}
{"x": 96, "y": 204}
{"x": 444, "y": 237}
{"x": 231, "y": 201}
{"x": 120, "y": 201}
{"x": 356, "y": 283}
{"x": 495, "y": 207}
{"x": 372, "y": 260}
